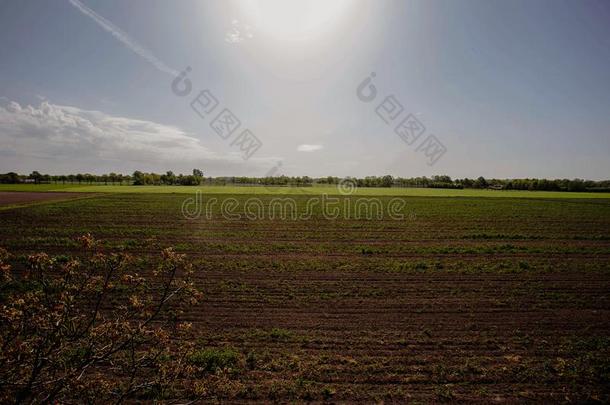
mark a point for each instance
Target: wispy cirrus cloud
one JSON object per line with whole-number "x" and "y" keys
{"x": 309, "y": 148}
{"x": 125, "y": 39}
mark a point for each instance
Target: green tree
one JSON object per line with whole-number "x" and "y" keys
{"x": 387, "y": 181}
{"x": 36, "y": 176}
{"x": 480, "y": 183}
{"x": 138, "y": 178}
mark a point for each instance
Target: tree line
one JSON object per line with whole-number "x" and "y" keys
{"x": 197, "y": 178}
{"x": 138, "y": 178}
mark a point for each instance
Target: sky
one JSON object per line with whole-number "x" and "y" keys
{"x": 500, "y": 89}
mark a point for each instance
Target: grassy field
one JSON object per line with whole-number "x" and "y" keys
{"x": 330, "y": 190}
{"x": 471, "y": 299}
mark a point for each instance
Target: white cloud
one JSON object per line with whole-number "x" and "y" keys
{"x": 309, "y": 148}
{"x": 238, "y": 33}
{"x": 59, "y": 134}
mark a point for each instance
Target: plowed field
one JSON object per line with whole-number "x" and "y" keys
{"x": 468, "y": 299}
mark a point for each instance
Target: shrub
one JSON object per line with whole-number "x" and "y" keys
{"x": 91, "y": 329}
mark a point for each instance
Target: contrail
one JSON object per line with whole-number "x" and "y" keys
{"x": 124, "y": 38}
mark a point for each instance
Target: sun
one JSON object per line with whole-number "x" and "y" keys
{"x": 297, "y": 20}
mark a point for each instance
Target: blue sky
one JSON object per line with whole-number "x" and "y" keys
{"x": 509, "y": 88}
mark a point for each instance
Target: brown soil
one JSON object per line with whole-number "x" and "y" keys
{"x": 18, "y": 197}
{"x": 314, "y": 316}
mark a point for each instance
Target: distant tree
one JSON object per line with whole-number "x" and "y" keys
{"x": 168, "y": 178}
{"x": 467, "y": 183}
{"x": 576, "y": 185}
{"x": 387, "y": 181}
{"x": 36, "y": 176}
{"x": 442, "y": 179}
{"x": 10, "y": 178}
{"x": 138, "y": 178}
{"x": 155, "y": 179}
{"x": 480, "y": 183}
{"x": 198, "y": 176}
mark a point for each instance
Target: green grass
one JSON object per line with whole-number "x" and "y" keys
{"x": 213, "y": 359}
{"x": 316, "y": 190}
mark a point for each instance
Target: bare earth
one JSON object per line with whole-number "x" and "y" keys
{"x": 18, "y": 197}
{"x": 473, "y": 301}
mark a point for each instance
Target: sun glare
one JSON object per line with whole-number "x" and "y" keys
{"x": 294, "y": 19}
